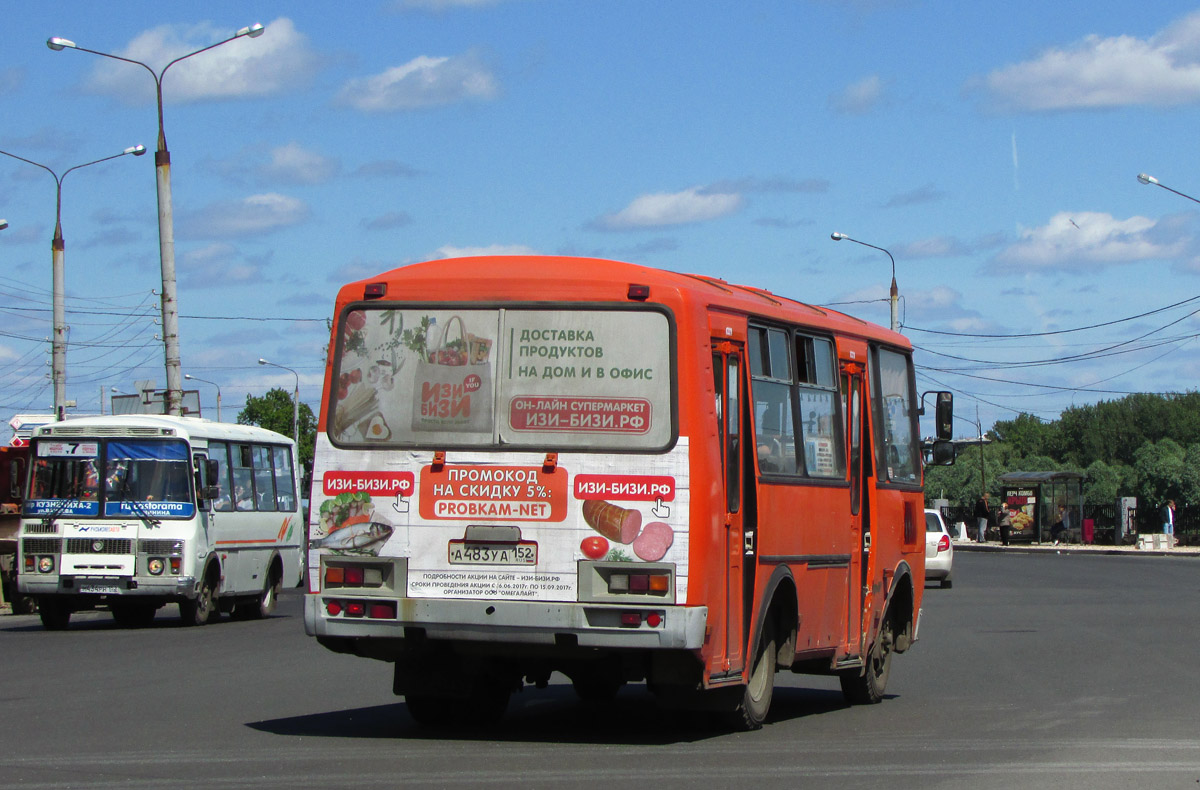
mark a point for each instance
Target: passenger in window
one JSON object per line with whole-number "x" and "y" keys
{"x": 245, "y": 498}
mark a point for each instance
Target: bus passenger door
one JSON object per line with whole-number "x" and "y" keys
{"x": 860, "y": 527}
{"x": 727, "y": 380}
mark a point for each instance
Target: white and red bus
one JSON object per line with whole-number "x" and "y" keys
{"x": 535, "y": 464}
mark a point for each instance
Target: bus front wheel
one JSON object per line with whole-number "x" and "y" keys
{"x": 867, "y": 687}
{"x": 198, "y": 610}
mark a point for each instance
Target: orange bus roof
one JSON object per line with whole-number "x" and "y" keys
{"x": 554, "y": 277}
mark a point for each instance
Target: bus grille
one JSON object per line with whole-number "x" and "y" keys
{"x": 99, "y": 546}
{"x": 161, "y": 548}
{"x": 41, "y": 528}
{"x": 40, "y": 545}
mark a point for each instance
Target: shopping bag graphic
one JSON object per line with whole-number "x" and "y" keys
{"x": 449, "y": 393}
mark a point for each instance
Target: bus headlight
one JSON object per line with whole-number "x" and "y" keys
{"x": 45, "y": 564}
{"x": 155, "y": 565}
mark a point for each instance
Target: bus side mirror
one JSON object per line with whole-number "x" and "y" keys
{"x": 943, "y": 414}
{"x": 941, "y": 453}
{"x": 210, "y": 490}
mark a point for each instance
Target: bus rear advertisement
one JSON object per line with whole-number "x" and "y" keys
{"x": 527, "y": 465}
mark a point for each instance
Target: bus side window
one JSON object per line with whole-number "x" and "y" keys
{"x": 285, "y": 478}
{"x": 264, "y": 478}
{"x": 218, "y": 452}
{"x": 243, "y": 476}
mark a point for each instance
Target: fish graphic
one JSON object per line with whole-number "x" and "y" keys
{"x": 362, "y": 538}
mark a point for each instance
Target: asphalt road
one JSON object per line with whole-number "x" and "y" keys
{"x": 1033, "y": 671}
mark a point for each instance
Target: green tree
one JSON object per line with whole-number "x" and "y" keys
{"x": 1160, "y": 471}
{"x": 273, "y": 411}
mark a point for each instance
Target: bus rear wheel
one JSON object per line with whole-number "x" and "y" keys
{"x": 751, "y": 710}
{"x": 265, "y": 604}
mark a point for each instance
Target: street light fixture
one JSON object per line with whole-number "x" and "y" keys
{"x": 190, "y": 377}
{"x": 58, "y": 252}
{"x": 295, "y": 401}
{"x": 3, "y": 224}
{"x": 895, "y": 292}
{"x": 166, "y": 222}
{"x": 1145, "y": 179}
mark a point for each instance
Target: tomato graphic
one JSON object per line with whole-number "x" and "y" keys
{"x": 594, "y": 547}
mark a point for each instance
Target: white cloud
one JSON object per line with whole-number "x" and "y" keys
{"x": 294, "y": 164}
{"x": 422, "y": 82}
{"x": 218, "y": 265}
{"x": 277, "y": 60}
{"x": 672, "y": 208}
{"x": 1097, "y": 72}
{"x": 449, "y": 251}
{"x": 249, "y": 216}
{"x": 860, "y": 97}
{"x": 1084, "y": 240}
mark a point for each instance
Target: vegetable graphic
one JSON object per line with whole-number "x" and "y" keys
{"x": 594, "y": 547}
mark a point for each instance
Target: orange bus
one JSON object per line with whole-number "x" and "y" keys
{"x": 533, "y": 464}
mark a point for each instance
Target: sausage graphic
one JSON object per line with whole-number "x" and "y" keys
{"x": 652, "y": 544}
{"x": 612, "y": 521}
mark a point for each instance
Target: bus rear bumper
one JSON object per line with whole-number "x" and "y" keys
{"x": 534, "y": 623}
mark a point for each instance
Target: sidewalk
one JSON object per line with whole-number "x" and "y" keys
{"x": 1074, "y": 548}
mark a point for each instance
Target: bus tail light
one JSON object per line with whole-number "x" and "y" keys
{"x": 374, "y": 290}
{"x": 631, "y": 619}
{"x": 639, "y": 583}
{"x": 354, "y": 576}
{"x": 382, "y": 610}
{"x": 372, "y": 610}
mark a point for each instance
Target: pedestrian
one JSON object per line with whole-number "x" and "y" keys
{"x": 983, "y": 515}
{"x": 1058, "y": 531}
{"x": 1004, "y": 519}
{"x": 1167, "y": 517}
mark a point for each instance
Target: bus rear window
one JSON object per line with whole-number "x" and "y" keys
{"x": 581, "y": 379}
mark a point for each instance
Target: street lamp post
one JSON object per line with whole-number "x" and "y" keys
{"x": 295, "y": 401}
{"x": 190, "y": 377}
{"x": 1145, "y": 179}
{"x": 166, "y": 222}
{"x": 58, "y": 249}
{"x": 895, "y": 292}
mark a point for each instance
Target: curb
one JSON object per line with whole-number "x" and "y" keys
{"x": 1074, "y": 548}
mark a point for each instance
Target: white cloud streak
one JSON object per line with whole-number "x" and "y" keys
{"x": 1098, "y": 72}
{"x": 422, "y": 82}
{"x": 661, "y": 209}
{"x": 250, "y": 216}
{"x": 1083, "y": 241}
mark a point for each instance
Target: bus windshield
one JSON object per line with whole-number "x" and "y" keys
{"x": 141, "y": 478}
{"x": 584, "y": 379}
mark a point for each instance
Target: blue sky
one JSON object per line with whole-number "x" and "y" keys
{"x": 993, "y": 149}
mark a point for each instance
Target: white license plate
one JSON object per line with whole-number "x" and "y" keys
{"x": 461, "y": 552}
{"x": 99, "y": 589}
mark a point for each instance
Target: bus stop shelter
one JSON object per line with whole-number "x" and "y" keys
{"x": 1035, "y": 498}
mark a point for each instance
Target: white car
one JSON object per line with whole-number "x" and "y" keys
{"x": 939, "y": 549}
